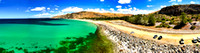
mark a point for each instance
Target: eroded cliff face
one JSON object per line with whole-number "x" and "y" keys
{"x": 176, "y": 10}
{"x": 86, "y": 14}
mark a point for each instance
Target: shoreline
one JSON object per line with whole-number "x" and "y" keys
{"x": 167, "y": 38}
{"x": 125, "y": 45}
{"x": 101, "y": 31}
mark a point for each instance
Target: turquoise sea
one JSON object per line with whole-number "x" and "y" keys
{"x": 44, "y": 35}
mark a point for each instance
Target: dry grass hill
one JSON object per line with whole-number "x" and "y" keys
{"x": 176, "y": 10}
{"x": 86, "y": 14}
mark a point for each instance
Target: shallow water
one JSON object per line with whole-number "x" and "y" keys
{"x": 31, "y": 35}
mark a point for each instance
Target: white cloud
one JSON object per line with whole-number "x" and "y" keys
{"x": 48, "y": 8}
{"x": 72, "y": 9}
{"x": 124, "y": 1}
{"x": 172, "y": 1}
{"x": 134, "y": 10}
{"x": 179, "y": 0}
{"x": 56, "y": 8}
{"x": 192, "y": 2}
{"x": 118, "y": 6}
{"x": 111, "y": 9}
{"x": 175, "y": 0}
{"x": 129, "y": 5}
{"x": 39, "y": 9}
{"x": 43, "y": 15}
{"x": 125, "y": 11}
{"x": 101, "y": 0}
{"x": 162, "y": 6}
{"x": 97, "y": 10}
{"x": 27, "y": 11}
{"x": 52, "y": 11}
{"x": 149, "y": 0}
{"x": 149, "y": 6}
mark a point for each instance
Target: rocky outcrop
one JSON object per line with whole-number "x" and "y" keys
{"x": 86, "y": 14}
{"x": 176, "y": 10}
{"x": 126, "y": 43}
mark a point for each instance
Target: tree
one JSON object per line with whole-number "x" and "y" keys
{"x": 131, "y": 19}
{"x": 183, "y": 19}
{"x": 125, "y": 18}
{"x": 152, "y": 20}
{"x": 137, "y": 19}
{"x": 145, "y": 20}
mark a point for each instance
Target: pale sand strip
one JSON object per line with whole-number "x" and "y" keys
{"x": 167, "y": 38}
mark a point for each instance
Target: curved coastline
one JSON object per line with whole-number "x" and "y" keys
{"x": 95, "y": 42}
{"x": 111, "y": 46}
{"x": 132, "y": 43}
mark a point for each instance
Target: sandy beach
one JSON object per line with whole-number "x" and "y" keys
{"x": 168, "y": 38}
{"x": 142, "y": 41}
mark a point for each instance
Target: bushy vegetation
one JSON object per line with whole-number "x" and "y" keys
{"x": 163, "y": 25}
{"x": 183, "y": 21}
{"x": 152, "y": 19}
{"x": 148, "y": 20}
{"x": 172, "y": 21}
{"x": 139, "y": 19}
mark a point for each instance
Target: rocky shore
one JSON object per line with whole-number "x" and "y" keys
{"x": 126, "y": 43}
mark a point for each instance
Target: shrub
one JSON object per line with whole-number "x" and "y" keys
{"x": 144, "y": 20}
{"x": 163, "y": 21}
{"x": 171, "y": 22}
{"x": 137, "y": 19}
{"x": 159, "y": 26}
{"x": 152, "y": 20}
{"x": 190, "y": 20}
{"x": 158, "y": 19}
{"x": 163, "y": 25}
{"x": 183, "y": 21}
{"x": 125, "y": 18}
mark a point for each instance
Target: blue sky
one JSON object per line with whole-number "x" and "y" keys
{"x": 49, "y": 8}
